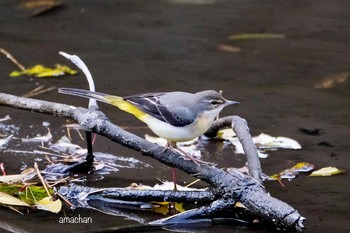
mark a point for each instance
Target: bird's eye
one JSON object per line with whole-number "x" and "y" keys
{"x": 216, "y": 102}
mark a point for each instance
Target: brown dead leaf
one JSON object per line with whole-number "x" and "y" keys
{"x": 333, "y": 80}
{"x": 228, "y": 48}
{"x": 41, "y": 7}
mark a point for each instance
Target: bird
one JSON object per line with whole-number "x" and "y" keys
{"x": 175, "y": 116}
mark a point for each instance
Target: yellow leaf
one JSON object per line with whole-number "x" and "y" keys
{"x": 40, "y": 71}
{"x": 240, "y": 205}
{"x": 66, "y": 69}
{"x": 303, "y": 167}
{"x": 49, "y": 73}
{"x": 49, "y": 205}
{"x": 226, "y": 134}
{"x": 17, "y": 73}
{"x": 327, "y": 171}
{"x": 7, "y": 199}
{"x": 166, "y": 207}
{"x": 179, "y": 207}
{"x": 249, "y": 36}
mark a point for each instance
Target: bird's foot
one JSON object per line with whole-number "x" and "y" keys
{"x": 188, "y": 156}
{"x": 185, "y": 155}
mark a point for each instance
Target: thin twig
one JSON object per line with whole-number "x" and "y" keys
{"x": 41, "y": 179}
{"x": 38, "y": 91}
{"x": 13, "y": 59}
{"x": 65, "y": 199}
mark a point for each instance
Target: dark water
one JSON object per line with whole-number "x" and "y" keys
{"x": 143, "y": 46}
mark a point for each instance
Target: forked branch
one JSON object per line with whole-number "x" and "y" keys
{"x": 229, "y": 187}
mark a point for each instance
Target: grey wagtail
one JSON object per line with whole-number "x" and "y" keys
{"x": 174, "y": 116}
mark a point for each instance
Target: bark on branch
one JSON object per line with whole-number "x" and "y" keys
{"x": 228, "y": 186}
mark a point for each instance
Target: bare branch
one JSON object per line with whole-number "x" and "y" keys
{"x": 240, "y": 126}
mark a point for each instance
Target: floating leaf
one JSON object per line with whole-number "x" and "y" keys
{"x": 249, "y": 36}
{"x": 5, "y": 118}
{"x": 166, "y": 207}
{"x": 188, "y": 146}
{"x": 49, "y": 204}
{"x": 4, "y": 141}
{"x": 226, "y": 133}
{"x": 263, "y": 142}
{"x": 66, "y": 69}
{"x": 332, "y": 81}
{"x": 165, "y": 185}
{"x": 303, "y": 167}
{"x": 285, "y": 174}
{"x": 267, "y": 142}
{"x": 41, "y": 139}
{"x": 228, "y": 48}
{"x": 292, "y": 172}
{"x": 41, "y": 7}
{"x": 327, "y": 171}
{"x": 41, "y": 71}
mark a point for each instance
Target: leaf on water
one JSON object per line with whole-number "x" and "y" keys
{"x": 5, "y": 118}
{"x": 157, "y": 140}
{"x": 226, "y": 134}
{"x": 41, "y": 7}
{"x": 188, "y": 146}
{"x": 41, "y": 71}
{"x": 64, "y": 144}
{"x": 41, "y": 139}
{"x": 267, "y": 142}
{"x": 49, "y": 204}
{"x": 163, "y": 142}
{"x": 7, "y": 199}
{"x": 250, "y": 36}
{"x": 4, "y": 141}
{"x": 166, "y": 207}
{"x": 327, "y": 171}
{"x": 285, "y": 174}
{"x": 292, "y": 172}
{"x": 264, "y": 142}
{"x": 165, "y": 185}
{"x": 332, "y": 81}
{"x": 228, "y": 48}
{"x": 303, "y": 167}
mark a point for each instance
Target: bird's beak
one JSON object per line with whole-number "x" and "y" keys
{"x": 230, "y": 102}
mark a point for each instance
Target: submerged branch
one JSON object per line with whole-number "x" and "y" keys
{"x": 198, "y": 197}
{"x": 233, "y": 187}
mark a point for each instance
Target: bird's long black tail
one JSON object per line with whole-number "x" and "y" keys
{"x": 84, "y": 93}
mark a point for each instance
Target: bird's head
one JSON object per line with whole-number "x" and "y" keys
{"x": 212, "y": 101}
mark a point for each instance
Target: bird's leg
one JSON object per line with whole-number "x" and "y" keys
{"x": 187, "y": 156}
{"x": 173, "y": 176}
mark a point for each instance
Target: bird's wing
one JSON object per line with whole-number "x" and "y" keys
{"x": 150, "y": 103}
